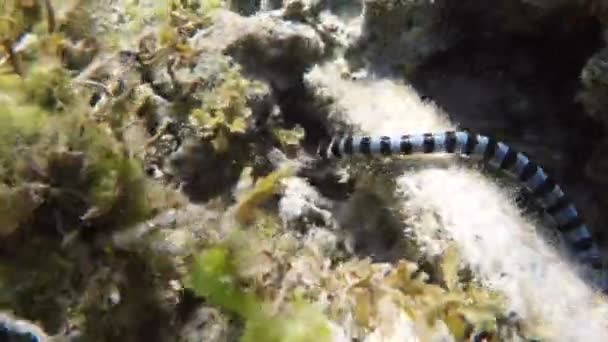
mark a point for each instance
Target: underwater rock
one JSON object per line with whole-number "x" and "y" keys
{"x": 218, "y": 134}
{"x": 18, "y": 204}
{"x": 206, "y": 324}
{"x": 267, "y": 47}
{"x": 251, "y": 7}
{"x": 597, "y": 167}
{"x": 593, "y": 7}
{"x": 594, "y": 97}
{"x": 397, "y": 34}
{"x": 196, "y": 167}
{"x": 229, "y": 98}
{"x": 244, "y": 7}
{"x": 547, "y": 4}
{"x": 302, "y": 10}
{"x": 594, "y": 79}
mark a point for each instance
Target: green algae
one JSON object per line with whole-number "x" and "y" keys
{"x": 213, "y": 278}
{"x": 224, "y": 111}
{"x": 71, "y": 154}
{"x": 39, "y": 288}
{"x": 264, "y": 188}
{"x": 303, "y": 323}
{"x": 62, "y": 172}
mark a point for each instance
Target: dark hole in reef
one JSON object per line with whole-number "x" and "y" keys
{"x": 251, "y": 7}
{"x": 299, "y": 107}
{"x": 480, "y": 81}
{"x": 521, "y": 89}
{"x": 96, "y": 97}
{"x": 376, "y": 230}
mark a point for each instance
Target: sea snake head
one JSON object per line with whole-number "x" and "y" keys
{"x": 499, "y": 156}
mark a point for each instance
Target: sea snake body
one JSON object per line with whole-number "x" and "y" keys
{"x": 498, "y": 156}
{"x": 494, "y": 153}
{"x": 14, "y": 329}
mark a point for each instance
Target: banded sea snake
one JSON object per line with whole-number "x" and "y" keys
{"x": 15, "y": 329}
{"x": 494, "y": 153}
{"x": 500, "y": 157}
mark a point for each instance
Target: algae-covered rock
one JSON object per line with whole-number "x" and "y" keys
{"x": 244, "y": 7}
{"x": 267, "y": 47}
{"x": 206, "y": 324}
{"x": 65, "y": 174}
{"x": 18, "y": 204}
{"x": 221, "y": 130}
{"x": 106, "y": 107}
{"x": 398, "y": 34}
{"x": 357, "y": 298}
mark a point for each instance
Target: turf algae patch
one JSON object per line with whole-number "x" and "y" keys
{"x": 65, "y": 174}
{"x": 81, "y": 166}
{"x": 213, "y": 277}
{"x": 274, "y": 285}
{"x": 263, "y": 189}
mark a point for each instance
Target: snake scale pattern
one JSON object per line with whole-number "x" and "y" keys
{"x": 498, "y": 156}
{"x": 15, "y": 329}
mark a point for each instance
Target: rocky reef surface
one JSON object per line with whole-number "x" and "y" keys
{"x": 158, "y": 179}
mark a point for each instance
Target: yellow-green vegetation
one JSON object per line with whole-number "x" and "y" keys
{"x": 213, "y": 276}
{"x": 49, "y": 137}
{"x": 78, "y": 160}
{"x": 215, "y": 273}
{"x": 301, "y": 323}
{"x": 38, "y": 287}
{"x": 264, "y": 188}
{"x": 224, "y": 111}
{"x": 235, "y": 275}
{"x": 289, "y": 139}
{"x": 64, "y": 172}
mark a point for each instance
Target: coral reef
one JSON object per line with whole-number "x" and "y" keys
{"x": 158, "y": 183}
